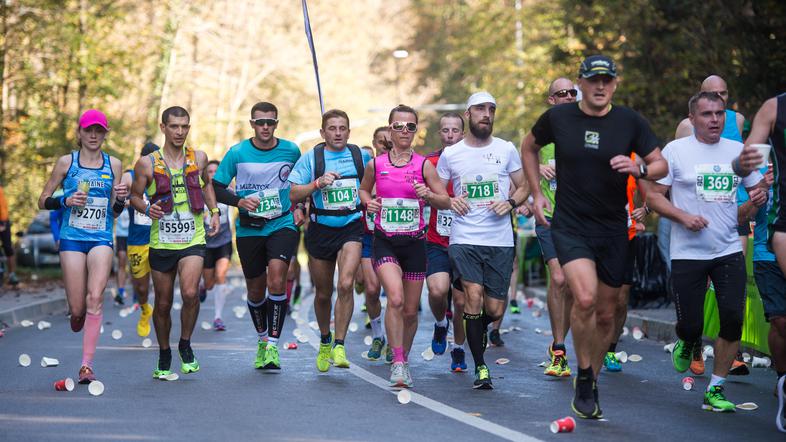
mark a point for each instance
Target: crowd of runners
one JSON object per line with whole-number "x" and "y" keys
{"x": 385, "y": 219}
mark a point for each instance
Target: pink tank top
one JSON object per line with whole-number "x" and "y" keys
{"x": 402, "y": 210}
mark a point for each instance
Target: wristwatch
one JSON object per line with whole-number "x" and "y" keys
{"x": 215, "y": 210}
{"x": 642, "y": 171}
{"x": 512, "y": 202}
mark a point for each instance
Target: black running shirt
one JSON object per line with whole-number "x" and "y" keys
{"x": 591, "y": 196}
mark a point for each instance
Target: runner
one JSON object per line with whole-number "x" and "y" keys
{"x": 266, "y": 233}
{"x": 704, "y": 246}
{"x": 592, "y": 140}
{"x": 121, "y": 248}
{"x": 5, "y": 238}
{"x": 175, "y": 183}
{"x": 481, "y": 237}
{"x": 92, "y": 191}
{"x": 139, "y": 252}
{"x": 218, "y": 253}
{"x": 329, "y": 175}
{"x": 370, "y": 278}
{"x": 400, "y": 179}
{"x": 769, "y": 252}
{"x": 558, "y": 297}
{"x": 439, "y": 274}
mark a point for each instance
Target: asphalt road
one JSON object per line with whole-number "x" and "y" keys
{"x": 228, "y": 398}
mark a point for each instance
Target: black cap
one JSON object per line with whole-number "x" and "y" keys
{"x": 597, "y": 65}
{"x": 149, "y": 148}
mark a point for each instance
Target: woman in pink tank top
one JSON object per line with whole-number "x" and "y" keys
{"x": 403, "y": 181}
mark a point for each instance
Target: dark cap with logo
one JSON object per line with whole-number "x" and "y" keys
{"x": 597, "y": 65}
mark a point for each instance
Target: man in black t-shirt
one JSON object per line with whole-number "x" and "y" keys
{"x": 593, "y": 141}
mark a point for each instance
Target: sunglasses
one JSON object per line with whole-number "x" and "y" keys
{"x": 400, "y": 126}
{"x": 562, "y": 93}
{"x": 265, "y": 121}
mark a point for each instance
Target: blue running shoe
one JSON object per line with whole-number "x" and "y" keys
{"x": 457, "y": 364}
{"x": 611, "y": 362}
{"x": 439, "y": 343}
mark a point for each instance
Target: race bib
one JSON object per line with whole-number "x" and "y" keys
{"x": 176, "y": 228}
{"x": 370, "y": 221}
{"x": 91, "y": 217}
{"x": 269, "y": 204}
{"x": 716, "y": 183}
{"x": 140, "y": 219}
{"x": 340, "y": 195}
{"x": 444, "y": 222}
{"x": 481, "y": 190}
{"x": 400, "y": 215}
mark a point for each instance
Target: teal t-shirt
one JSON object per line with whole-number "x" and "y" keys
{"x": 263, "y": 172}
{"x": 339, "y": 162}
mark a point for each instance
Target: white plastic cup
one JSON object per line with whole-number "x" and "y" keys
{"x": 43, "y": 325}
{"x": 687, "y": 383}
{"x": 146, "y": 343}
{"x": 404, "y": 396}
{"x": 26, "y": 323}
{"x": 117, "y": 334}
{"x": 427, "y": 354}
{"x": 206, "y": 325}
{"x": 368, "y": 340}
{"x": 177, "y": 306}
{"x": 668, "y": 348}
{"x": 637, "y": 333}
{"x": 758, "y": 362}
{"x": 96, "y": 388}
{"x": 353, "y": 327}
{"x": 49, "y": 362}
{"x": 764, "y": 150}
{"x": 622, "y": 356}
{"x": 24, "y": 360}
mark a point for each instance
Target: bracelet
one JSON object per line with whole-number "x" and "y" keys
{"x": 647, "y": 210}
{"x": 147, "y": 210}
{"x": 119, "y": 206}
{"x": 512, "y": 203}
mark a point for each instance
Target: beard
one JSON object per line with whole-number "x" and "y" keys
{"x": 480, "y": 132}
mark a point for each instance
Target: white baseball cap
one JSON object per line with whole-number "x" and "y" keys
{"x": 480, "y": 98}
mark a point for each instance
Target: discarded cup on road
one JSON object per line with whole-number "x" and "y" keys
{"x": 26, "y": 323}
{"x": 687, "y": 383}
{"x": 536, "y": 313}
{"x": 96, "y": 388}
{"x": 622, "y": 356}
{"x": 49, "y": 362}
{"x": 291, "y": 346}
{"x": 296, "y": 332}
{"x": 625, "y": 331}
{"x": 123, "y": 313}
{"x": 24, "y": 360}
{"x": 66, "y": 384}
{"x": 637, "y": 333}
{"x": 353, "y": 327}
{"x": 404, "y": 396}
{"x": 206, "y": 325}
{"x": 313, "y": 324}
{"x": 117, "y": 334}
{"x": 564, "y": 425}
{"x": 368, "y": 340}
{"x": 177, "y": 306}
{"x": 302, "y": 339}
{"x": 538, "y": 331}
{"x": 502, "y": 361}
{"x": 746, "y": 357}
{"x": 668, "y": 348}
{"x": 428, "y": 354}
{"x": 239, "y": 314}
{"x": 294, "y": 315}
{"x": 758, "y": 362}
{"x": 530, "y": 302}
{"x": 634, "y": 358}
{"x": 147, "y": 342}
{"x": 43, "y": 325}
{"x": 101, "y": 330}
{"x": 748, "y": 406}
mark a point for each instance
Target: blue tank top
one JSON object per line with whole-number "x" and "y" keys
{"x": 94, "y": 222}
{"x": 138, "y": 225}
{"x": 730, "y": 129}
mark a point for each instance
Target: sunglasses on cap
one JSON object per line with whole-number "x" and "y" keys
{"x": 265, "y": 121}
{"x": 562, "y": 93}
{"x": 400, "y": 126}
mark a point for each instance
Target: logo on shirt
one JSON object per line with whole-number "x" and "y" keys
{"x": 399, "y": 202}
{"x": 478, "y": 178}
{"x": 283, "y": 173}
{"x": 591, "y": 140}
{"x": 492, "y": 158}
{"x": 716, "y": 168}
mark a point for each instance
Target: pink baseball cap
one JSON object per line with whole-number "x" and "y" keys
{"x": 91, "y": 117}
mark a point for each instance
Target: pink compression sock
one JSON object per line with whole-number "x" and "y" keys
{"x": 398, "y": 354}
{"x": 90, "y": 337}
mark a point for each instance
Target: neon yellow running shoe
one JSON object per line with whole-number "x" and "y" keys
{"x": 188, "y": 362}
{"x": 323, "y": 357}
{"x": 143, "y": 326}
{"x": 272, "y": 361}
{"x": 259, "y": 362}
{"x": 339, "y": 357}
{"x": 158, "y": 374}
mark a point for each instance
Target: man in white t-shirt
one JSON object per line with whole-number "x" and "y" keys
{"x": 481, "y": 169}
{"x": 704, "y": 240}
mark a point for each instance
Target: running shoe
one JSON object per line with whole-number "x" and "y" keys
{"x": 739, "y": 367}
{"x": 585, "y": 402}
{"x": 323, "y": 357}
{"x": 218, "y": 325}
{"x": 439, "y": 342}
{"x": 715, "y": 400}
{"x": 77, "y": 322}
{"x": 143, "y": 325}
{"x": 161, "y": 374}
{"x": 514, "y": 307}
{"x": 681, "y": 355}
{"x": 296, "y": 295}
{"x": 482, "y": 378}
{"x": 272, "y": 361}
{"x": 339, "y": 356}
{"x": 368, "y": 323}
{"x": 388, "y": 355}
{"x": 377, "y": 345}
{"x": 558, "y": 366}
{"x": 780, "y": 419}
{"x": 611, "y": 362}
{"x": 398, "y": 375}
{"x": 119, "y": 299}
{"x": 407, "y": 376}
{"x": 496, "y": 338}
{"x": 86, "y": 375}
{"x": 188, "y": 362}
{"x": 259, "y": 362}
{"x": 697, "y": 361}
{"x": 458, "y": 363}
{"x": 360, "y": 288}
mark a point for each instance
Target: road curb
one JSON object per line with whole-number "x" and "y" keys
{"x": 33, "y": 311}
